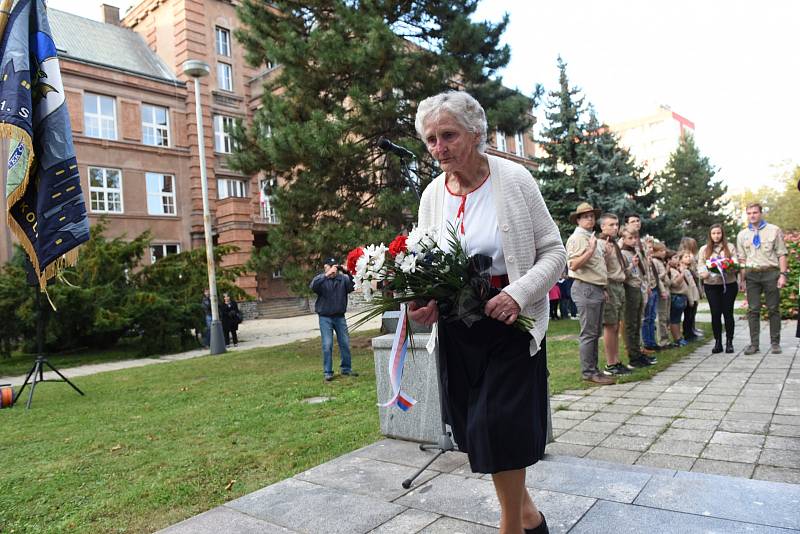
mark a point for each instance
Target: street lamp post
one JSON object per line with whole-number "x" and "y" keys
{"x": 196, "y": 69}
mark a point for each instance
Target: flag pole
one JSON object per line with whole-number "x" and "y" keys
{"x": 5, "y": 12}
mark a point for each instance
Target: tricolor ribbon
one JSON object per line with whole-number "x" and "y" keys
{"x": 397, "y": 360}
{"x": 718, "y": 263}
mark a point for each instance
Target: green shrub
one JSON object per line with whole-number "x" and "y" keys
{"x": 789, "y": 294}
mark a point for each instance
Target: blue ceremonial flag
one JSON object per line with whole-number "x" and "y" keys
{"x": 46, "y": 209}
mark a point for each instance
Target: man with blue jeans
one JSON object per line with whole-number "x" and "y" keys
{"x": 332, "y": 286}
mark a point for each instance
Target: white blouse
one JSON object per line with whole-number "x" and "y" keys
{"x": 475, "y": 219}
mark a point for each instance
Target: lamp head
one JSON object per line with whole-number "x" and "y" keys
{"x": 196, "y": 68}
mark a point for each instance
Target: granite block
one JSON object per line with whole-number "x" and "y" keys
{"x": 718, "y": 467}
{"x": 606, "y": 427}
{"x": 731, "y": 453}
{"x": 587, "y": 481}
{"x": 609, "y": 417}
{"x": 788, "y": 431}
{"x": 665, "y": 461}
{"x": 468, "y": 499}
{"x": 748, "y": 416}
{"x": 306, "y": 507}
{"x": 737, "y": 439}
{"x": 780, "y": 458}
{"x": 746, "y": 427}
{"x": 620, "y": 456}
{"x": 448, "y": 525}
{"x": 224, "y": 519}
{"x": 687, "y": 434}
{"x": 754, "y": 501}
{"x": 364, "y": 476}
{"x": 784, "y": 443}
{"x": 777, "y": 474}
{"x": 628, "y": 443}
{"x": 694, "y": 424}
{"x": 613, "y": 466}
{"x": 639, "y": 431}
{"x": 408, "y": 453}
{"x": 569, "y": 449}
{"x": 582, "y": 438}
{"x": 703, "y": 414}
{"x": 605, "y": 517}
{"x": 649, "y": 420}
{"x": 409, "y": 521}
{"x": 677, "y": 448}
{"x": 793, "y": 420}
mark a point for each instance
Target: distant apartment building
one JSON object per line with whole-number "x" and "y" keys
{"x": 651, "y": 139}
{"x": 133, "y": 119}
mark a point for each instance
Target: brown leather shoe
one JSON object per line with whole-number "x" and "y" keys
{"x": 599, "y": 379}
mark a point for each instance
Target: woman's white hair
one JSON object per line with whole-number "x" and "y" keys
{"x": 461, "y": 105}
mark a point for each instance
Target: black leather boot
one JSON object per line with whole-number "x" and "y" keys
{"x": 729, "y": 346}
{"x": 717, "y": 347}
{"x": 541, "y": 529}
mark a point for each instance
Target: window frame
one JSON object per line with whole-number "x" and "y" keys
{"x": 154, "y": 125}
{"x": 226, "y": 33}
{"x": 105, "y": 190}
{"x": 500, "y": 141}
{"x": 161, "y": 195}
{"x": 242, "y": 187}
{"x": 221, "y": 137}
{"x": 99, "y": 116}
{"x": 519, "y": 144}
{"x": 266, "y": 207}
{"x": 224, "y": 76}
{"x": 164, "y": 253}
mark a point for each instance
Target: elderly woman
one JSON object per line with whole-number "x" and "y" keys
{"x": 494, "y": 376}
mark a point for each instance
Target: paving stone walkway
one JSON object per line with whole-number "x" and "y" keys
{"x": 727, "y": 414}
{"x": 629, "y": 459}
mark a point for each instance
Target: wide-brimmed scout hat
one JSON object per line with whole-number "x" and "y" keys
{"x": 583, "y": 207}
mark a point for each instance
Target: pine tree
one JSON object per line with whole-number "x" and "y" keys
{"x": 350, "y": 73}
{"x": 613, "y": 181}
{"x": 563, "y": 188}
{"x": 690, "y": 200}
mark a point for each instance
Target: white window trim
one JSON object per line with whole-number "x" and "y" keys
{"x": 277, "y": 273}
{"x": 500, "y": 140}
{"x": 268, "y": 212}
{"x": 225, "y": 76}
{"x": 161, "y": 195}
{"x": 100, "y": 117}
{"x": 519, "y": 144}
{"x": 155, "y": 126}
{"x": 221, "y": 137}
{"x": 218, "y": 31}
{"x": 105, "y": 190}
{"x": 225, "y": 192}
{"x": 163, "y": 246}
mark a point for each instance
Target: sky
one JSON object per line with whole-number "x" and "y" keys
{"x": 732, "y": 67}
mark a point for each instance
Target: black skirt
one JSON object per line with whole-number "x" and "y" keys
{"x": 494, "y": 393}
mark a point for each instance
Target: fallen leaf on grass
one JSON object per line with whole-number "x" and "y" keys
{"x": 230, "y": 485}
{"x": 184, "y": 388}
{"x": 116, "y": 447}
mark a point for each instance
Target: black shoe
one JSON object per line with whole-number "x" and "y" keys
{"x": 729, "y": 347}
{"x": 617, "y": 369}
{"x": 641, "y": 361}
{"x": 717, "y": 347}
{"x": 541, "y": 529}
{"x": 328, "y": 378}
{"x": 351, "y": 373}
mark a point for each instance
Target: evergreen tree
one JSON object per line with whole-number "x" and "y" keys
{"x": 689, "y": 199}
{"x": 562, "y": 186}
{"x": 613, "y": 181}
{"x": 351, "y": 72}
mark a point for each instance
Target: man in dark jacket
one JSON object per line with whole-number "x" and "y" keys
{"x": 332, "y": 286}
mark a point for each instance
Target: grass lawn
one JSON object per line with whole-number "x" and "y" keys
{"x": 21, "y": 363}
{"x": 148, "y": 447}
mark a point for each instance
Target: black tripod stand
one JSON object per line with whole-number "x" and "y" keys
{"x": 37, "y": 372}
{"x": 444, "y": 442}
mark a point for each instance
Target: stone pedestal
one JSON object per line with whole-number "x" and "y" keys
{"x": 420, "y": 380}
{"x": 421, "y": 423}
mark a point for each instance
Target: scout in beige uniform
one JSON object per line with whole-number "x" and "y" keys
{"x": 615, "y": 304}
{"x": 635, "y": 284}
{"x": 659, "y": 262}
{"x": 587, "y": 267}
{"x": 762, "y": 255}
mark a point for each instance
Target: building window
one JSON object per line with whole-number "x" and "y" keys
{"x": 155, "y": 125}
{"x": 225, "y": 76}
{"x": 159, "y": 251}
{"x": 277, "y": 273}
{"x": 519, "y": 144}
{"x": 223, "y": 40}
{"x": 223, "y": 142}
{"x": 500, "y": 139}
{"x": 99, "y": 116}
{"x": 160, "y": 193}
{"x": 105, "y": 190}
{"x": 231, "y": 187}
{"x": 268, "y": 212}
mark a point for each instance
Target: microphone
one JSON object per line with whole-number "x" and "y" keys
{"x": 388, "y": 146}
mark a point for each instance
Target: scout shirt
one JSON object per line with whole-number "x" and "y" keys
{"x": 594, "y": 270}
{"x": 635, "y": 274}
{"x": 615, "y": 262}
{"x": 715, "y": 279}
{"x": 765, "y": 256}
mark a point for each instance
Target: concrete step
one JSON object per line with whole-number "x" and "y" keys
{"x": 282, "y": 307}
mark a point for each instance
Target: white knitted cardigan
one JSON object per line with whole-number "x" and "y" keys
{"x": 534, "y": 254}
